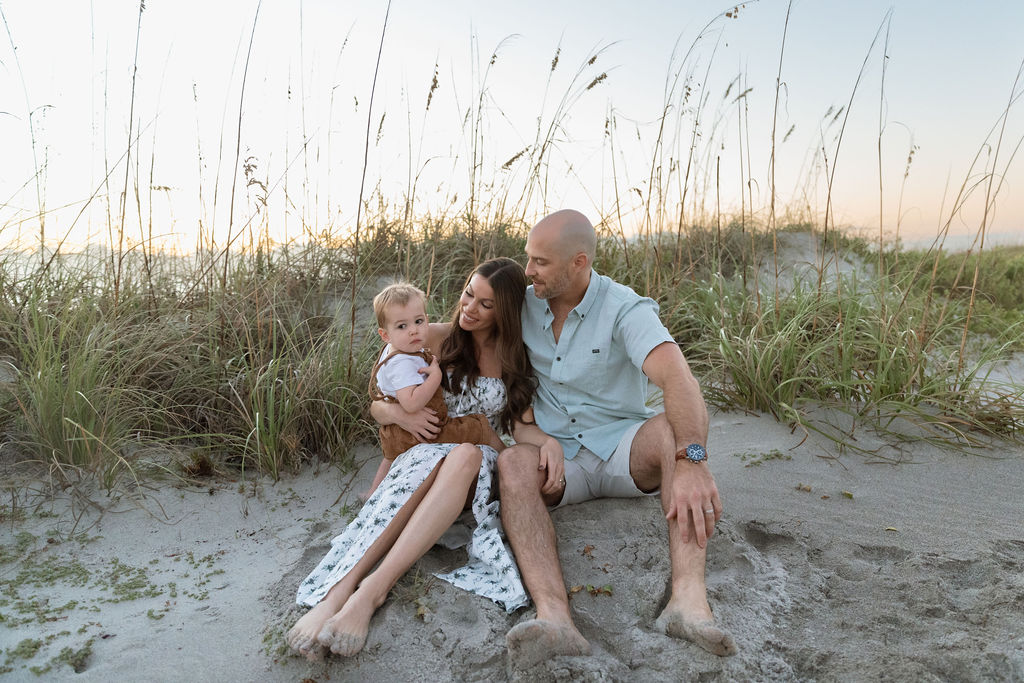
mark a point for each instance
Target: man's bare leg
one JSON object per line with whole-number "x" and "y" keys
{"x": 302, "y": 637}
{"x": 345, "y": 632}
{"x": 531, "y": 534}
{"x": 687, "y": 614}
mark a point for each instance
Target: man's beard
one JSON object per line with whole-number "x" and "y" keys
{"x": 553, "y": 288}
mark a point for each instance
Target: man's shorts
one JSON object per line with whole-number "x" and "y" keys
{"x": 588, "y": 477}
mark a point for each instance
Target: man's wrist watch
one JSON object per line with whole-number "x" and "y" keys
{"x": 694, "y": 453}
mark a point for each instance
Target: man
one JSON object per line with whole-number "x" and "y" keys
{"x": 594, "y": 344}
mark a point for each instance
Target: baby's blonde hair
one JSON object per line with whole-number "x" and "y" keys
{"x": 398, "y": 294}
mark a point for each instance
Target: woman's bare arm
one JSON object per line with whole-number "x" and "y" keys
{"x": 552, "y": 458}
{"x": 494, "y": 441}
{"x": 421, "y": 424}
{"x": 436, "y": 334}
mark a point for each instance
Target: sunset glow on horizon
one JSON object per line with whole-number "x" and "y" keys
{"x": 606, "y": 108}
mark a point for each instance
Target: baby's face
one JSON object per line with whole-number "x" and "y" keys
{"x": 406, "y": 326}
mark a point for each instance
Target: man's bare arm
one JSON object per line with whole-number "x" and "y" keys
{"x": 693, "y": 489}
{"x": 684, "y": 403}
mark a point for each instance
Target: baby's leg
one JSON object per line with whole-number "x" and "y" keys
{"x": 382, "y": 471}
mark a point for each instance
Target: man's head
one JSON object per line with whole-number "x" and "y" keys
{"x": 401, "y": 316}
{"x": 560, "y": 251}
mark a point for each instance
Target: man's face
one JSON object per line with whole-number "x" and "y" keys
{"x": 546, "y": 267}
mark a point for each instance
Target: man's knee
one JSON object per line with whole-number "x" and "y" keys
{"x": 653, "y": 444}
{"x": 518, "y": 463}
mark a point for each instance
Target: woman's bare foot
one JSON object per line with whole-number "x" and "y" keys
{"x": 537, "y": 640}
{"x": 302, "y": 637}
{"x": 345, "y": 633}
{"x": 699, "y": 629}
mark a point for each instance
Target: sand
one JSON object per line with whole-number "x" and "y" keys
{"x": 826, "y": 566}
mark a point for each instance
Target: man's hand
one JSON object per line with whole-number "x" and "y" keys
{"x": 553, "y": 460}
{"x": 694, "y": 500}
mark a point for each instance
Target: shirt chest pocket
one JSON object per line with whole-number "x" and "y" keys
{"x": 587, "y": 358}
{"x": 595, "y": 356}
{"x": 591, "y": 367}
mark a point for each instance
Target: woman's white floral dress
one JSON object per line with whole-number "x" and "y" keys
{"x": 491, "y": 571}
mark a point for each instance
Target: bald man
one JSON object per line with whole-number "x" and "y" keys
{"x": 594, "y": 344}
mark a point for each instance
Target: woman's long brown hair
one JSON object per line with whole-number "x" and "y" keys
{"x": 458, "y": 356}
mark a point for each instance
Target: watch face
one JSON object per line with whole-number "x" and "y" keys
{"x": 696, "y": 453}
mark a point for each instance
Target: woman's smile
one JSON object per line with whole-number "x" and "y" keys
{"x": 477, "y": 310}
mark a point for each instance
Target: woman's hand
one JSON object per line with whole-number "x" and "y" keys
{"x": 423, "y": 424}
{"x": 553, "y": 460}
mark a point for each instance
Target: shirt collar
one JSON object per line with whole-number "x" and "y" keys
{"x": 583, "y": 307}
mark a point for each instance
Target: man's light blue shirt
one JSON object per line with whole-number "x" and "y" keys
{"x": 591, "y": 385}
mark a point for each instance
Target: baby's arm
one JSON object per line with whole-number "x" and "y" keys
{"x": 414, "y": 398}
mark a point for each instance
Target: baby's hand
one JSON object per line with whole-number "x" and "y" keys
{"x": 431, "y": 371}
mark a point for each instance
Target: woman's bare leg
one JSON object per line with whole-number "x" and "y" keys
{"x": 302, "y": 637}
{"x": 345, "y": 632}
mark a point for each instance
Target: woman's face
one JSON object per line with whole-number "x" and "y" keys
{"x": 477, "y": 307}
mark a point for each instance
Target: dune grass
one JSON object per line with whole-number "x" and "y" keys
{"x": 253, "y": 355}
{"x": 255, "y": 374}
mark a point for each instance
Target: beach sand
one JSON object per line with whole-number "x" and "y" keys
{"x": 826, "y": 566}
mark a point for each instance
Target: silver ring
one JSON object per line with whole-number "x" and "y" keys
{"x": 562, "y": 482}
{"x": 709, "y": 511}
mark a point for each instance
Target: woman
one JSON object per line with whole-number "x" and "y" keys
{"x": 484, "y": 360}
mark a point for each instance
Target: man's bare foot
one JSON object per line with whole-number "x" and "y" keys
{"x": 302, "y": 637}
{"x": 345, "y": 633}
{"x": 536, "y": 640}
{"x": 700, "y": 631}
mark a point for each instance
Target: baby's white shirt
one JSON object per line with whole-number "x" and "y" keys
{"x": 399, "y": 372}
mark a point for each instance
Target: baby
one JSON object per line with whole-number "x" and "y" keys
{"x": 409, "y": 374}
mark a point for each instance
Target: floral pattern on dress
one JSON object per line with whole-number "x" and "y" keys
{"x": 491, "y": 570}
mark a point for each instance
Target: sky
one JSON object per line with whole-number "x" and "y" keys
{"x": 661, "y": 132}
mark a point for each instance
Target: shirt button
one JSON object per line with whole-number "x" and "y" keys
{"x": 558, "y": 358}
{"x": 573, "y": 420}
{"x": 579, "y": 436}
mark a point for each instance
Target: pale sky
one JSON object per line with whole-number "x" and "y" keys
{"x": 949, "y": 77}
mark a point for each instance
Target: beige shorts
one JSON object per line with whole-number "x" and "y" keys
{"x": 588, "y": 477}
